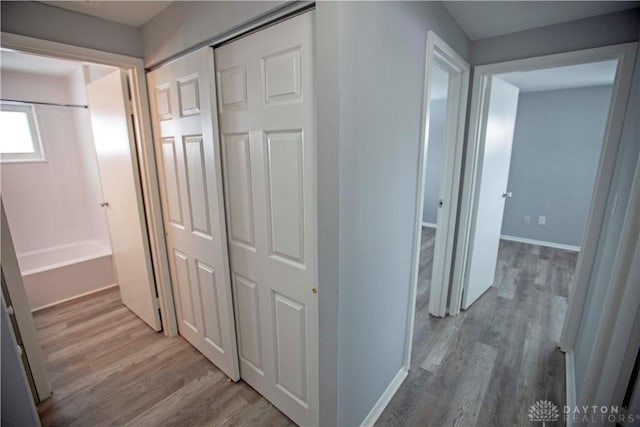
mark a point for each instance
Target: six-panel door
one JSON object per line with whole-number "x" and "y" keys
{"x": 267, "y": 132}
{"x": 188, "y": 156}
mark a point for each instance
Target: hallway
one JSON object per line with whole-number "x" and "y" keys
{"x": 488, "y": 365}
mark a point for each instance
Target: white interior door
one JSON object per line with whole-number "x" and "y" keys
{"x": 493, "y": 179}
{"x": 267, "y": 128}
{"x": 188, "y": 156}
{"x": 110, "y": 112}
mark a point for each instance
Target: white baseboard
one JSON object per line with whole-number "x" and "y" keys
{"x": 384, "y": 399}
{"x": 429, "y": 224}
{"x": 570, "y": 383}
{"x": 93, "y": 291}
{"x": 541, "y": 243}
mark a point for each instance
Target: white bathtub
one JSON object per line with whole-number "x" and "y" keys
{"x": 57, "y": 274}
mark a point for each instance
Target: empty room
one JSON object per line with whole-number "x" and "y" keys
{"x": 347, "y": 213}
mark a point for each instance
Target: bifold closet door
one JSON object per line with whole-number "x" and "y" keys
{"x": 113, "y": 135}
{"x": 188, "y": 156}
{"x": 267, "y": 131}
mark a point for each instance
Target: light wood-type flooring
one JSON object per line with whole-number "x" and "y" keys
{"x": 482, "y": 368}
{"x": 108, "y": 368}
{"x": 488, "y": 365}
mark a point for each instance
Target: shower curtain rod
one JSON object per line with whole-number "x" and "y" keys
{"x": 53, "y": 104}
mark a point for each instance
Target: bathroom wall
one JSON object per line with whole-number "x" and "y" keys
{"x": 54, "y": 202}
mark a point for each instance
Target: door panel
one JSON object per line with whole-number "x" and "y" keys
{"x": 267, "y": 127}
{"x": 496, "y": 157}
{"x": 190, "y": 167}
{"x": 118, "y": 164}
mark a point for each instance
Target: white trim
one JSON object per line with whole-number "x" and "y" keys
{"x": 625, "y": 54}
{"x": 429, "y": 224}
{"x": 145, "y": 150}
{"x": 384, "y": 399}
{"x": 614, "y": 335}
{"x": 438, "y": 51}
{"x": 22, "y": 312}
{"x": 540, "y": 243}
{"x": 570, "y": 383}
{"x": 84, "y": 294}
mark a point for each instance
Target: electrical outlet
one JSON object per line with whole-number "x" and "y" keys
{"x": 542, "y": 220}
{"x": 527, "y": 219}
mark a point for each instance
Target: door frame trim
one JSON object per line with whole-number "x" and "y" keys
{"x": 438, "y": 51}
{"x": 625, "y": 54}
{"x": 134, "y": 67}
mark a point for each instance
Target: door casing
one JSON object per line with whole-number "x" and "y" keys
{"x": 150, "y": 192}
{"x": 625, "y": 55}
{"x": 438, "y": 51}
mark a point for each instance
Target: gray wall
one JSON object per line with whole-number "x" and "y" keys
{"x": 556, "y": 148}
{"x": 610, "y": 234}
{"x": 51, "y": 23}
{"x": 185, "y": 24}
{"x": 435, "y": 160}
{"x": 614, "y": 28}
{"x": 382, "y": 54}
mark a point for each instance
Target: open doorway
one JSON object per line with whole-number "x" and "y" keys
{"x": 544, "y": 135}
{"x": 578, "y": 144}
{"x": 71, "y": 183}
{"x": 74, "y": 216}
{"x": 445, "y": 100}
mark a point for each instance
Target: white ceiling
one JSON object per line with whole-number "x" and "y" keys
{"x": 573, "y": 76}
{"x": 483, "y": 19}
{"x": 478, "y": 19}
{"x": 132, "y": 13}
{"x": 35, "y": 64}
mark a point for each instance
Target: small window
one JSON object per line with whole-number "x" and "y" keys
{"x": 19, "y": 137}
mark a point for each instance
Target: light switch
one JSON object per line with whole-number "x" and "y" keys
{"x": 542, "y": 220}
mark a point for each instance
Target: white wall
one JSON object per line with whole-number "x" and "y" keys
{"x": 614, "y": 28}
{"x": 33, "y": 19}
{"x": 610, "y": 234}
{"x": 381, "y": 49}
{"x": 185, "y": 24}
{"x": 54, "y": 202}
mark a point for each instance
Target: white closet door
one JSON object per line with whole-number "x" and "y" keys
{"x": 267, "y": 128}
{"x": 188, "y": 156}
{"x": 113, "y": 136}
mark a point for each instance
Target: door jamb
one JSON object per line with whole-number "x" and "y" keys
{"x": 437, "y": 50}
{"x": 144, "y": 148}
{"x": 625, "y": 54}
{"x": 617, "y": 341}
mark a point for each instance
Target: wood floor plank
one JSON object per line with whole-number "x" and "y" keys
{"x": 486, "y": 366}
{"x": 107, "y": 367}
{"x": 469, "y": 394}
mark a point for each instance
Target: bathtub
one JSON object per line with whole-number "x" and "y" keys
{"x": 61, "y": 273}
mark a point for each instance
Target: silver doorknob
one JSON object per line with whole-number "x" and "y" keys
{"x": 103, "y": 204}
{"x": 507, "y": 195}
